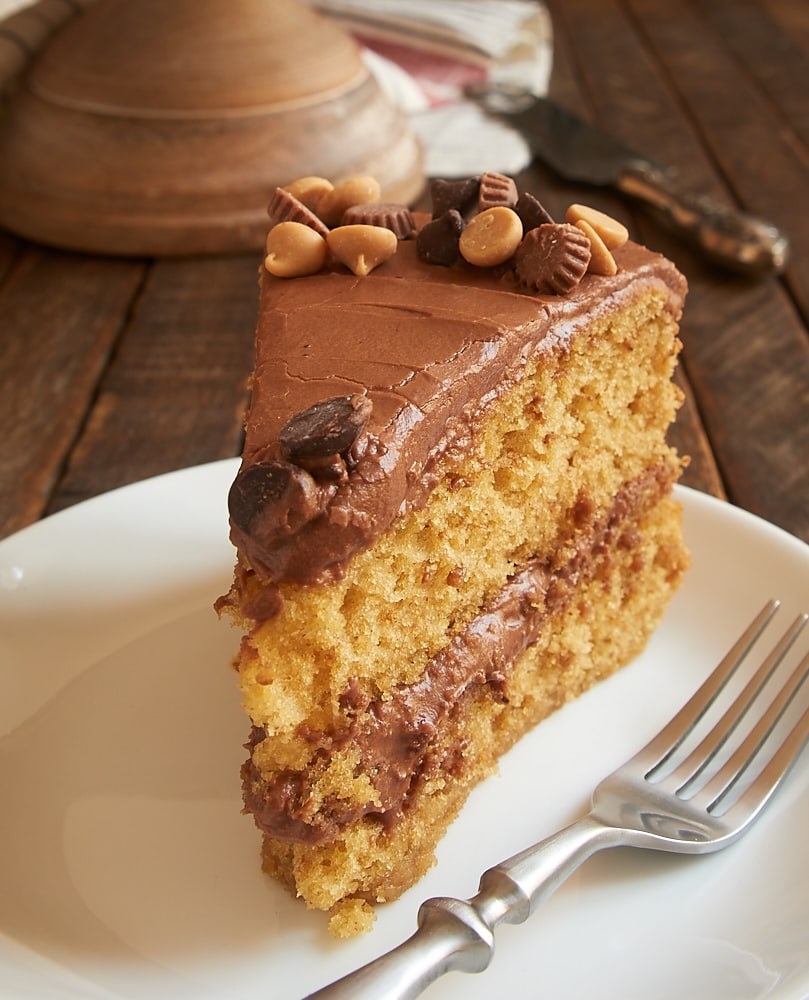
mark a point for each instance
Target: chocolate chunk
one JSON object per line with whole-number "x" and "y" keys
{"x": 285, "y": 207}
{"x": 552, "y": 258}
{"x": 272, "y": 499}
{"x": 461, "y": 195}
{"x": 328, "y": 428}
{"x": 437, "y": 241}
{"x": 496, "y": 189}
{"x": 531, "y": 212}
{"x": 397, "y": 218}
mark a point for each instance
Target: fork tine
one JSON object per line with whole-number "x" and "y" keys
{"x": 761, "y": 790}
{"x": 687, "y": 774}
{"x": 663, "y": 747}
{"x": 722, "y": 784}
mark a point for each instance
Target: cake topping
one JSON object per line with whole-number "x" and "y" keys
{"x": 397, "y": 218}
{"x": 362, "y": 248}
{"x": 491, "y": 237}
{"x": 358, "y": 190}
{"x": 437, "y": 241}
{"x": 461, "y": 195}
{"x": 496, "y": 189}
{"x": 272, "y": 500}
{"x": 285, "y": 207}
{"x": 531, "y": 212}
{"x": 613, "y": 233}
{"x": 484, "y": 221}
{"x": 294, "y": 250}
{"x": 553, "y": 258}
{"x": 601, "y": 260}
{"x": 330, "y": 427}
{"x": 309, "y": 190}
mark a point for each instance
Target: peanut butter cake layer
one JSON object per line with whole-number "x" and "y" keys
{"x": 453, "y": 512}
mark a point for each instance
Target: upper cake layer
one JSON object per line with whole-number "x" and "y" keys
{"x": 399, "y": 366}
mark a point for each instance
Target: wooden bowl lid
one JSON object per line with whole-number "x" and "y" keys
{"x": 150, "y": 128}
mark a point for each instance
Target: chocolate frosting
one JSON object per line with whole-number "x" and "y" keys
{"x": 430, "y": 347}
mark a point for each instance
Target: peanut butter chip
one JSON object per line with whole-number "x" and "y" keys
{"x": 309, "y": 190}
{"x": 601, "y": 260}
{"x": 294, "y": 250}
{"x": 491, "y": 237}
{"x": 357, "y": 190}
{"x": 613, "y": 233}
{"x": 362, "y": 248}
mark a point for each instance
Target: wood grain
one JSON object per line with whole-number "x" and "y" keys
{"x": 174, "y": 393}
{"x": 60, "y": 316}
{"x": 746, "y": 351}
{"x": 115, "y": 369}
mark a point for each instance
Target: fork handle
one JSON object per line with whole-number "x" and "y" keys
{"x": 458, "y": 935}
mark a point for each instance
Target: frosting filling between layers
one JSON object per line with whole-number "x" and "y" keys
{"x": 395, "y": 737}
{"x": 430, "y": 371}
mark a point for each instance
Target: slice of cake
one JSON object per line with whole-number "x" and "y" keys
{"x": 453, "y": 512}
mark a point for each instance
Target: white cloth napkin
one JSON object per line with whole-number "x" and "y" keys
{"x": 424, "y": 52}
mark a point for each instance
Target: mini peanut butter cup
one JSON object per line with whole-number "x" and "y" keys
{"x": 285, "y": 207}
{"x": 552, "y": 258}
{"x": 496, "y": 190}
{"x": 387, "y": 215}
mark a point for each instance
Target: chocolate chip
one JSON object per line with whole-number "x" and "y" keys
{"x": 461, "y": 195}
{"x": 328, "y": 428}
{"x": 437, "y": 241}
{"x": 531, "y": 212}
{"x": 272, "y": 499}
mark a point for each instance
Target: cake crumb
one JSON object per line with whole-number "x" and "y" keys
{"x": 351, "y": 917}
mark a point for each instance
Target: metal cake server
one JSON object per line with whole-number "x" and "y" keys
{"x": 671, "y": 796}
{"x": 580, "y": 152}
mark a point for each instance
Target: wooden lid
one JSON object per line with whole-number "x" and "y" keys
{"x": 162, "y": 128}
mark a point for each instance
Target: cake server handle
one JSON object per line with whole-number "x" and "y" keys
{"x": 458, "y": 935}
{"x": 732, "y": 239}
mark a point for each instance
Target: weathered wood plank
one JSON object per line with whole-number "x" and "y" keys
{"x": 766, "y": 167}
{"x": 572, "y": 86}
{"x": 745, "y": 345}
{"x": 772, "y": 56}
{"x": 793, "y": 18}
{"x": 60, "y": 315}
{"x": 173, "y": 395}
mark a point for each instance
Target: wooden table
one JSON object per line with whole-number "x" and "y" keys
{"x": 113, "y": 370}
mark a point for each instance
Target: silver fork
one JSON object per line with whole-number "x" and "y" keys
{"x": 695, "y": 788}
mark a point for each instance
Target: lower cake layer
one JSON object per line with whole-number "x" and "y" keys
{"x": 594, "y": 621}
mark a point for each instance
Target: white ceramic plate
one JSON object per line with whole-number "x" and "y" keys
{"x": 127, "y": 871}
